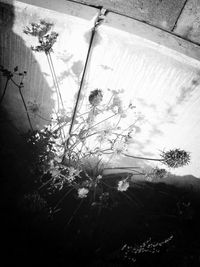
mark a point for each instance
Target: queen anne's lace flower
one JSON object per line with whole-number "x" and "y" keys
{"x": 82, "y": 192}
{"x": 123, "y": 185}
{"x": 119, "y": 147}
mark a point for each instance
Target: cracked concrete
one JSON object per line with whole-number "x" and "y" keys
{"x": 188, "y": 25}
{"x": 159, "y": 13}
{"x": 181, "y": 17}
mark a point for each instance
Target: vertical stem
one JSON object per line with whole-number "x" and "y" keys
{"x": 22, "y": 97}
{"x": 74, "y": 213}
{"x": 4, "y": 91}
{"x": 56, "y": 80}
{"x": 52, "y": 74}
{"x": 81, "y": 83}
{"x": 29, "y": 120}
{"x": 56, "y": 87}
{"x": 83, "y": 75}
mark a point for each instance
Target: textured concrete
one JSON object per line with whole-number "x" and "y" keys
{"x": 157, "y": 36}
{"x": 164, "y": 85}
{"x": 158, "y": 72}
{"x": 160, "y": 13}
{"x": 188, "y": 25}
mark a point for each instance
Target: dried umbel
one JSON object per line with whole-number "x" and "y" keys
{"x": 156, "y": 173}
{"x": 175, "y": 158}
{"x": 95, "y": 97}
{"x": 46, "y": 38}
{"x": 159, "y": 173}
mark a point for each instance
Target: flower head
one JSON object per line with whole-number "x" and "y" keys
{"x": 82, "y": 192}
{"x": 123, "y": 185}
{"x": 95, "y": 97}
{"x": 119, "y": 147}
{"x": 156, "y": 173}
{"x": 175, "y": 158}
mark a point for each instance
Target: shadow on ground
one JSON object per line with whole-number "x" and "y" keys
{"x": 94, "y": 238}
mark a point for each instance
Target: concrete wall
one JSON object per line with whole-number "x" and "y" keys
{"x": 158, "y": 72}
{"x": 188, "y": 25}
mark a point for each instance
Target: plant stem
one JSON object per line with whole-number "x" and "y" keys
{"x": 4, "y": 91}
{"x": 56, "y": 80}
{"x": 136, "y": 157}
{"x": 29, "y": 120}
{"x": 74, "y": 213}
{"x": 81, "y": 83}
{"x": 63, "y": 197}
{"x": 52, "y": 74}
{"x": 24, "y": 103}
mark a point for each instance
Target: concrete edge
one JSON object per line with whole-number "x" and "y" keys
{"x": 150, "y": 33}
{"x": 61, "y": 6}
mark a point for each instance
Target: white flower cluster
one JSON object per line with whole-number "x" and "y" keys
{"x": 82, "y": 192}
{"x": 123, "y": 185}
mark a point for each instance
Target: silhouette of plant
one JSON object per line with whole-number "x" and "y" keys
{"x": 9, "y": 75}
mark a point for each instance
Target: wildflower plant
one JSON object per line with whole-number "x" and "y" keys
{"x": 73, "y": 151}
{"x": 78, "y": 162}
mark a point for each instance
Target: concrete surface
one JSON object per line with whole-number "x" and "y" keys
{"x": 188, "y": 24}
{"x": 159, "y": 72}
{"x": 180, "y": 17}
{"x": 162, "y": 84}
{"x": 160, "y": 13}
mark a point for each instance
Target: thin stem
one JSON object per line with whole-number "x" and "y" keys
{"x": 52, "y": 74}
{"x": 25, "y": 108}
{"x": 4, "y": 91}
{"x": 81, "y": 82}
{"x": 45, "y": 183}
{"x": 44, "y": 118}
{"x": 57, "y": 89}
{"x": 56, "y": 80}
{"x": 102, "y": 121}
{"x": 121, "y": 168}
{"x": 22, "y": 97}
{"x": 80, "y": 88}
{"x": 63, "y": 197}
{"x": 74, "y": 213}
{"x": 135, "y": 157}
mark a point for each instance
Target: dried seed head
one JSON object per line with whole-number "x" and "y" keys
{"x": 175, "y": 158}
{"x": 95, "y": 97}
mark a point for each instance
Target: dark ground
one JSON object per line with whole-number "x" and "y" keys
{"x": 93, "y": 239}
